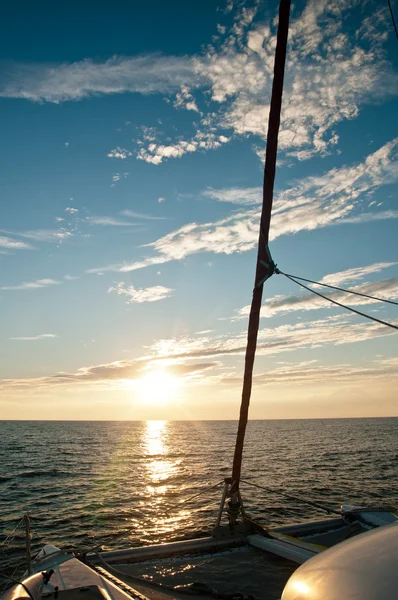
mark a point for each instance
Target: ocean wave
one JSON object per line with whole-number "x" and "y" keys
{"x": 44, "y": 473}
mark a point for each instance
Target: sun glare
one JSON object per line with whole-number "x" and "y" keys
{"x": 157, "y": 387}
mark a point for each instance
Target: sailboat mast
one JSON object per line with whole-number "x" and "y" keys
{"x": 264, "y": 262}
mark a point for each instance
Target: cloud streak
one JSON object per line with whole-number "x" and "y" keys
{"x": 241, "y": 196}
{"x": 41, "y": 235}
{"x": 41, "y": 336}
{"x": 142, "y": 216}
{"x": 331, "y": 331}
{"x": 10, "y": 244}
{"x": 31, "y": 285}
{"x": 354, "y": 274}
{"x": 309, "y": 373}
{"x": 75, "y": 81}
{"x": 149, "y": 294}
{"x": 109, "y": 221}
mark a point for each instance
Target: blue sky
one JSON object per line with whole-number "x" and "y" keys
{"x": 132, "y": 144}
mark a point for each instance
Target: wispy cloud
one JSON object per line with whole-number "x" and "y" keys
{"x": 143, "y": 74}
{"x": 372, "y": 216}
{"x": 109, "y": 221}
{"x": 145, "y": 217}
{"x": 250, "y": 196}
{"x": 308, "y": 373}
{"x": 356, "y": 273}
{"x": 71, "y": 210}
{"x": 46, "y": 235}
{"x": 149, "y": 294}
{"x": 41, "y": 336}
{"x": 337, "y": 330}
{"x": 31, "y": 285}
{"x": 42, "y": 235}
{"x": 314, "y": 202}
{"x": 9, "y": 243}
{"x": 71, "y": 277}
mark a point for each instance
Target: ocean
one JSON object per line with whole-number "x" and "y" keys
{"x": 118, "y": 484}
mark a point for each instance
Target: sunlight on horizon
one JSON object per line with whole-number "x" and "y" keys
{"x": 157, "y": 387}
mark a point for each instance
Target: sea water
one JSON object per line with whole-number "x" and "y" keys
{"x": 120, "y": 484}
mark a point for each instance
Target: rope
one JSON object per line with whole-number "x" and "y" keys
{"x": 9, "y": 538}
{"x": 392, "y": 19}
{"x": 333, "y": 287}
{"x": 297, "y": 498}
{"x": 179, "y": 504}
{"x": 199, "y": 493}
{"x": 338, "y": 303}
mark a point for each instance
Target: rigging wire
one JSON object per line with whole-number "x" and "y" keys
{"x": 333, "y": 287}
{"x": 201, "y": 492}
{"x": 392, "y": 18}
{"x": 291, "y": 497}
{"x": 338, "y": 303}
{"x": 10, "y": 536}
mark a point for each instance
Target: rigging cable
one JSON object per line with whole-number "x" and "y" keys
{"x": 333, "y": 287}
{"x": 296, "y": 498}
{"x": 278, "y": 271}
{"x": 392, "y": 18}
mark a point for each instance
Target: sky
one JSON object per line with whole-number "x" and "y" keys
{"x": 132, "y": 144}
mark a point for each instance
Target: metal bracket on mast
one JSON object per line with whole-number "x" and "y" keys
{"x": 234, "y": 505}
{"x": 270, "y": 266}
{"x": 227, "y": 483}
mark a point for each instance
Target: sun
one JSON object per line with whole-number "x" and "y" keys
{"x": 157, "y": 387}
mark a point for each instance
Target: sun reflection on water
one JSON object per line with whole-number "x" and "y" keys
{"x": 154, "y": 437}
{"x": 162, "y": 480}
{"x": 155, "y": 442}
